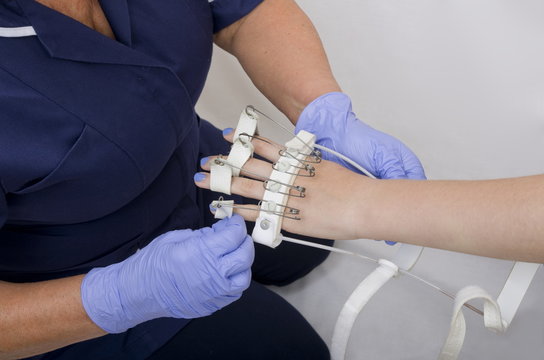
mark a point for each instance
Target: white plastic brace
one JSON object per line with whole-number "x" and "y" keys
{"x": 267, "y": 229}
{"x": 241, "y": 151}
{"x": 223, "y": 208}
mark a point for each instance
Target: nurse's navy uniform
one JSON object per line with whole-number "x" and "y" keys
{"x": 99, "y": 141}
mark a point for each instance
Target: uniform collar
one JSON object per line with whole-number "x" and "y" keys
{"x": 66, "y": 38}
{"x": 117, "y": 14}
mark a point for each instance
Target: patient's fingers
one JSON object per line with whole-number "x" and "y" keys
{"x": 253, "y": 168}
{"x": 247, "y": 211}
{"x": 240, "y": 186}
{"x": 264, "y": 147}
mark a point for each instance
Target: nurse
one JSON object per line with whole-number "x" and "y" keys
{"x": 106, "y": 249}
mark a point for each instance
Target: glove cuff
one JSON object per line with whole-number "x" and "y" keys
{"x": 100, "y": 300}
{"x": 322, "y": 110}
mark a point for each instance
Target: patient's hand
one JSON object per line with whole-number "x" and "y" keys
{"x": 327, "y": 210}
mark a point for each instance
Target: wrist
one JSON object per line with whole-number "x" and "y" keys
{"x": 100, "y": 299}
{"x": 324, "y": 110}
{"x": 314, "y": 90}
{"x": 364, "y": 207}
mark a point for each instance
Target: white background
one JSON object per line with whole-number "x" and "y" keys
{"x": 462, "y": 83}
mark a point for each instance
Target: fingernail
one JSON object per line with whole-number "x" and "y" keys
{"x": 212, "y": 209}
{"x": 390, "y": 242}
{"x": 203, "y": 161}
{"x": 227, "y": 131}
{"x": 199, "y": 177}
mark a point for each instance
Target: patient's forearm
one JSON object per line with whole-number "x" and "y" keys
{"x": 497, "y": 218}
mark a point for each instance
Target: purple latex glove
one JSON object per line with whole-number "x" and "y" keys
{"x": 181, "y": 274}
{"x": 331, "y": 119}
{"x": 336, "y": 127}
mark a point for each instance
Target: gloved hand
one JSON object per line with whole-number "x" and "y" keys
{"x": 181, "y": 274}
{"x": 331, "y": 119}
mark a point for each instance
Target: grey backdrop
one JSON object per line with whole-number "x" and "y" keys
{"x": 462, "y": 83}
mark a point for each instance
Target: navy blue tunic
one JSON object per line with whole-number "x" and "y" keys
{"x": 99, "y": 140}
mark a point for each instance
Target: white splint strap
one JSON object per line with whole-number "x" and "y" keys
{"x": 242, "y": 148}
{"x": 241, "y": 151}
{"x": 267, "y": 229}
{"x": 497, "y": 314}
{"x": 405, "y": 258}
{"x": 514, "y": 289}
{"x": 356, "y": 302}
{"x": 220, "y": 178}
{"x": 456, "y": 337}
{"x": 223, "y": 208}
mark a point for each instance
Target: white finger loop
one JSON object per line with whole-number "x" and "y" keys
{"x": 223, "y": 208}
{"x": 240, "y": 153}
{"x": 220, "y": 177}
{"x": 242, "y": 150}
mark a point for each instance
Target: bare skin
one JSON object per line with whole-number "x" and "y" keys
{"x": 40, "y": 317}
{"x": 87, "y": 12}
{"x": 288, "y": 64}
{"x": 495, "y": 218}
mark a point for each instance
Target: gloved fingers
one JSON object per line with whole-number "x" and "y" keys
{"x": 238, "y": 282}
{"x": 171, "y": 236}
{"x": 239, "y": 259}
{"x": 264, "y": 147}
{"x": 249, "y": 212}
{"x": 391, "y": 167}
{"x": 233, "y": 221}
{"x": 393, "y": 172}
{"x": 412, "y": 165}
{"x": 401, "y": 164}
{"x": 253, "y": 168}
{"x": 240, "y": 186}
{"x": 397, "y": 161}
{"x": 228, "y": 235}
{"x": 218, "y": 226}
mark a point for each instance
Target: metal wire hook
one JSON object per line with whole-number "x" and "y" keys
{"x": 300, "y": 189}
{"x": 307, "y": 167}
{"x": 316, "y": 153}
{"x": 289, "y": 209}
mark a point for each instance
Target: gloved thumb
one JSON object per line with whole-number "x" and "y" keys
{"x": 228, "y": 234}
{"x": 390, "y": 166}
{"x": 412, "y": 165}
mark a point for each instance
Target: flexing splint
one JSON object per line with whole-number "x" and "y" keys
{"x": 296, "y": 160}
